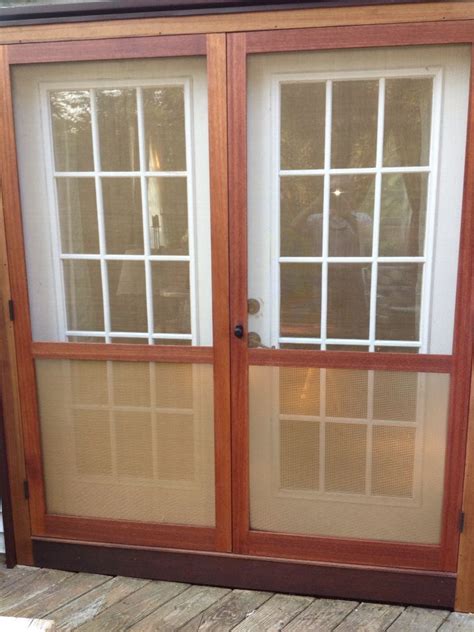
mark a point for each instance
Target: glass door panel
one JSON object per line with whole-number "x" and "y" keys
{"x": 115, "y": 192}
{"x": 353, "y": 245}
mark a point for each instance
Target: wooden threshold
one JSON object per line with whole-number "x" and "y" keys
{"x": 216, "y": 569}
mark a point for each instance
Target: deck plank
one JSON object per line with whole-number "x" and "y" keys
{"x": 419, "y": 620}
{"x": 457, "y": 622}
{"x": 179, "y": 611}
{"x": 30, "y": 586}
{"x": 11, "y": 575}
{"x": 228, "y": 612}
{"x": 135, "y": 607}
{"x": 90, "y": 605}
{"x": 274, "y": 614}
{"x": 322, "y": 614}
{"x": 39, "y": 606}
{"x": 370, "y": 617}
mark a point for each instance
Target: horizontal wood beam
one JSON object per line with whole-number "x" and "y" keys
{"x": 265, "y": 20}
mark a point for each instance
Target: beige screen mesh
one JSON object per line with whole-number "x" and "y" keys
{"x": 347, "y": 453}
{"x": 128, "y": 440}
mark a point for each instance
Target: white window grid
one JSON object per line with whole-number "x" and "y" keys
{"x": 370, "y": 422}
{"x": 149, "y": 336}
{"x": 431, "y": 169}
{"x": 155, "y": 411}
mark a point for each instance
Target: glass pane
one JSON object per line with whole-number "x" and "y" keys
{"x": 168, "y": 211}
{"x": 346, "y": 457}
{"x": 346, "y": 393}
{"x": 395, "y": 395}
{"x": 299, "y": 455}
{"x": 393, "y": 461}
{"x": 348, "y": 300}
{"x": 300, "y": 300}
{"x": 403, "y": 214}
{"x": 111, "y": 452}
{"x": 303, "y": 107}
{"x": 174, "y": 385}
{"x": 324, "y": 475}
{"x": 77, "y": 211}
{"x": 72, "y": 131}
{"x": 407, "y": 135}
{"x": 354, "y": 124}
{"x": 123, "y": 215}
{"x": 172, "y": 341}
{"x": 351, "y": 216}
{"x": 299, "y": 391}
{"x": 165, "y": 128}
{"x": 127, "y": 296}
{"x": 171, "y": 297}
{"x": 83, "y": 286}
{"x": 301, "y": 216}
{"x": 398, "y": 301}
{"x": 118, "y": 135}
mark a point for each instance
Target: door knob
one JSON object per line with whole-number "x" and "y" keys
{"x": 239, "y": 331}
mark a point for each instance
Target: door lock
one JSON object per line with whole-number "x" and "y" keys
{"x": 239, "y": 331}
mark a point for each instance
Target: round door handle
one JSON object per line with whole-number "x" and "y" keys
{"x": 239, "y": 331}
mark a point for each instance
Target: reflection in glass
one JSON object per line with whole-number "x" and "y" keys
{"x": 299, "y": 391}
{"x": 345, "y": 457}
{"x": 123, "y": 215}
{"x": 348, "y": 300}
{"x": 299, "y": 454}
{"x": 171, "y": 297}
{"x": 301, "y": 216}
{"x": 300, "y": 302}
{"x": 393, "y": 461}
{"x": 118, "y": 134}
{"x": 408, "y": 104}
{"x": 354, "y": 124}
{"x": 398, "y": 301}
{"x": 403, "y": 214}
{"x": 303, "y": 107}
{"x": 77, "y": 215}
{"x": 127, "y": 296}
{"x": 72, "y": 130}
{"x": 168, "y": 209}
{"x": 346, "y": 393}
{"x": 83, "y": 287}
{"x": 395, "y": 395}
{"x": 351, "y": 215}
{"x": 164, "y": 128}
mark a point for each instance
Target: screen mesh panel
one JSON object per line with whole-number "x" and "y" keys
{"x": 347, "y": 453}
{"x": 128, "y": 440}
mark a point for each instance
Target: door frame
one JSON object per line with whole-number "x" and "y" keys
{"x": 216, "y": 538}
{"x": 442, "y": 557}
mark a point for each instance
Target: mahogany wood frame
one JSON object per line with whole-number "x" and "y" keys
{"x": 424, "y": 23}
{"x": 121, "y": 531}
{"x": 441, "y": 557}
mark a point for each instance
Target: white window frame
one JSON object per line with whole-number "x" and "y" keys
{"x": 426, "y": 260}
{"x": 58, "y": 256}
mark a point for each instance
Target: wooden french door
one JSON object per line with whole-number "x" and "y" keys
{"x": 346, "y": 189}
{"x": 121, "y": 290}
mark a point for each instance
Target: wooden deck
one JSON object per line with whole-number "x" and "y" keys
{"x": 99, "y": 603}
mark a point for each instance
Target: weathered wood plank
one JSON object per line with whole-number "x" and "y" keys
{"x": 322, "y": 614}
{"x": 30, "y": 586}
{"x": 41, "y": 605}
{"x": 419, "y": 620}
{"x": 457, "y": 621}
{"x": 11, "y": 575}
{"x": 90, "y": 605}
{"x": 228, "y": 612}
{"x": 370, "y": 617}
{"x": 275, "y": 613}
{"x": 26, "y": 625}
{"x": 181, "y": 609}
{"x": 135, "y": 607}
